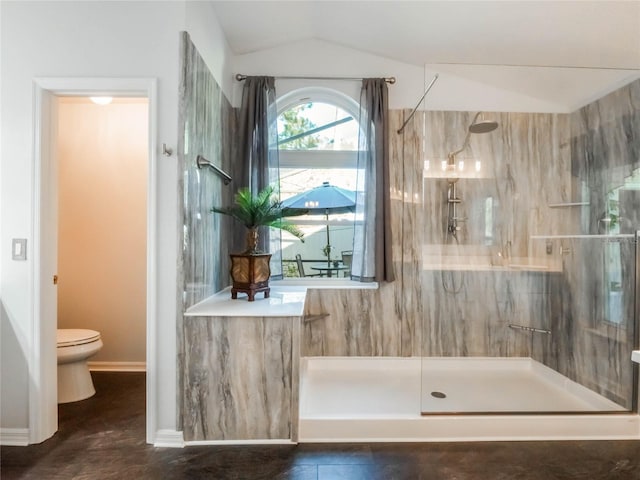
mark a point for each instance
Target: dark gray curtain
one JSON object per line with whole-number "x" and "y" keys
{"x": 258, "y": 152}
{"x": 372, "y": 252}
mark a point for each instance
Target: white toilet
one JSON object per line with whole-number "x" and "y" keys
{"x": 75, "y": 346}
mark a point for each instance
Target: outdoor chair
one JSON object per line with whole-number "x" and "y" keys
{"x": 301, "y": 268}
{"x": 347, "y": 256}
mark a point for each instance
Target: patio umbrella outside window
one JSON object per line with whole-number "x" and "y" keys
{"x": 325, "y": 199}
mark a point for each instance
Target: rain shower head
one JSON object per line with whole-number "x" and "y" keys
{"x": 484, "y": 126}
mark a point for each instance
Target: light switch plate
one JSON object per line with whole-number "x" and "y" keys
{"x": 19, "y": 249}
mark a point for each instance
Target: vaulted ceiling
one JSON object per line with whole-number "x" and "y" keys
{"x": 592, "y": 43}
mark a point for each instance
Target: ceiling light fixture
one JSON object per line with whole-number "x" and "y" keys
{"x": 101, "y": 100}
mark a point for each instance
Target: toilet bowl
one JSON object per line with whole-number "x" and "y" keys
{"x": 75, "y": 346}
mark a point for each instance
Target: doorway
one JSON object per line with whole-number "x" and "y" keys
{"x": 43, "y": 364}
{"x": 102, "y": 150}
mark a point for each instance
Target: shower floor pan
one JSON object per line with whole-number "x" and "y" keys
{"x": 353, "y": 399}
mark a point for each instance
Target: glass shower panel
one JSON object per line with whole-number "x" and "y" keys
{"x": 596, "y": 302}
{"x": 564, "y": 338}
{"x": 528, "y": 268}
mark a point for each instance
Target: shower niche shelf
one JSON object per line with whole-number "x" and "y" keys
{"x": 601, "y": 236}
{"x": 568, "y": 204}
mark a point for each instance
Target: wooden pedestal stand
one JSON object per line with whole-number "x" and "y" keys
{"x": 250, "y": 274}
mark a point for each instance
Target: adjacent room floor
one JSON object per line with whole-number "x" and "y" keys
{"x": 103, "y": 438}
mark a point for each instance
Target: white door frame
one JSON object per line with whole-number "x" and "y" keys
{"x": 43, "y": 411}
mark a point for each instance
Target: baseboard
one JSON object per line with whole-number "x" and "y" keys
{"x": 117, "y": 366}
{"x": 269, "y": 441}
{"x": 169, "y": 438}
{"x": 15, "y": 437}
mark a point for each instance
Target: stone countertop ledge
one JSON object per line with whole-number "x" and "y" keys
{"x": 635, "y": 356}
{"x": 283, "y": 301}
{"x": 286, "y": 299}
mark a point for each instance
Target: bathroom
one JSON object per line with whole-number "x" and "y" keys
{"x": 399, "y": 320}
{"x": 511, "y": 279}
{"x": 101, "y": 276}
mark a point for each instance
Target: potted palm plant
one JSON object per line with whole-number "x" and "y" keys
{"x": 250, "y": 269}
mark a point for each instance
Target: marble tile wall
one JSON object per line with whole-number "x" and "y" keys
{"x": 593, "y": 331}
{"x": 238, "y": 376}
{"x": 361, "y": 323}
{"x": 372, "y": 322}
{"x": 436, "y": 312}
{"x": 524, "y": 168}
{"x": 595, "y": 313}
{"x": 241, "y": 378}
{"x": 605, "y": 144}
{"x": 467, "y": 311}
{"x": 205, "y": 120}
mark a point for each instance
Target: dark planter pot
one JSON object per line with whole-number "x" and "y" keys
{"x": 250, "y": 274}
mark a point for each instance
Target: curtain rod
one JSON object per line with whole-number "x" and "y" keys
{"x": 240, "y": 77}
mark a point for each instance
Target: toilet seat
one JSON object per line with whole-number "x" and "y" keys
{"x": 76, "y": 336}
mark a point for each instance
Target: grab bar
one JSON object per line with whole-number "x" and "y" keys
{"x": 314, "y": 316}
{"x": 530, "y": 329}
{"x": 203, "y": 162}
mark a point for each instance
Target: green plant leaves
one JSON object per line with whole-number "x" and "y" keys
{"x": 262, "y": 209}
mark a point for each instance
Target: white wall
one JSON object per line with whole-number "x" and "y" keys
{"x": 320, "y": 58}
{"x": 102, "y": 223}
{"x": 92, "y": 39}
{"x": 207, "y": 35}
{"x": 458, "y": 88}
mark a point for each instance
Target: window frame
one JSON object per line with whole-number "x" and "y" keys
{"x": 321, "y": 159}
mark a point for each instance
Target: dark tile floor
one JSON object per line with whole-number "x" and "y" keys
{"x": 103, "y": 438}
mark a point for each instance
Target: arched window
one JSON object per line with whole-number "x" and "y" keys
{"x": 318, "y": 143}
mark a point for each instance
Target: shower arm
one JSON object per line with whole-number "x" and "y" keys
{"x": 452, "y": 155}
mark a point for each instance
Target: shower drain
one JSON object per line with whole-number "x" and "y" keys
{"x": 438, "y": 395}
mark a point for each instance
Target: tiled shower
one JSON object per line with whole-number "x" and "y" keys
{"x": 543, "y": 265}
